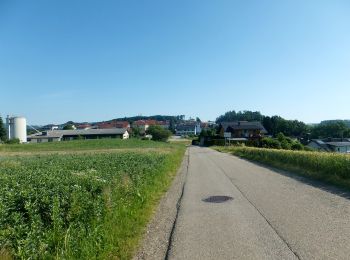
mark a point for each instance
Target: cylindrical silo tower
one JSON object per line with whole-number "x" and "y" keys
{"x": 17, "y": 128}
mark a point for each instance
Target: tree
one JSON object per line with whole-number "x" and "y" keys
{"x": 240, "y": 116}
{"x": 335, "y": 129}
{"x": 158, "y": 133}
{"x": 3, "y": 133}
{"x": 136, "y": 132}
{"x": 68, "y": 127}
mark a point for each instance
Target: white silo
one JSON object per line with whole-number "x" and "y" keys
{"x": 17, "y": 128}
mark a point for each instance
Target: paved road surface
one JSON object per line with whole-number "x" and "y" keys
{"x": 271, "y": 216}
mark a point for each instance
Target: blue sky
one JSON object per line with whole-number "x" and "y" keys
{"x": 96, "y": 60}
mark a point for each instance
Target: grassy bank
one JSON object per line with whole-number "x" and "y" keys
{"x": 81, "y": 206}
{"x": 330, "y": 167}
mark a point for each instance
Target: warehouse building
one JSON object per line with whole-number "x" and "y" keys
{"x": 66, "y": 135}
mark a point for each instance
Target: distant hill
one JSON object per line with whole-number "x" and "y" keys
{"x": 155, "y": 117}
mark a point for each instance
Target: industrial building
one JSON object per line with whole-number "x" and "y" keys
{"x": 66, "y": 135}
{"x": 16, "y": 128}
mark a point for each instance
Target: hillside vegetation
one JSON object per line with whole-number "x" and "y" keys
{"x": 329, "y": 167}
{"x": 81, "y": 206}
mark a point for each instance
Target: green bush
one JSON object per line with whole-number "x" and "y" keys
{"x": 13, "y": 141}
{"x": 159, "y": 133}
{"x": 269, "y": 142}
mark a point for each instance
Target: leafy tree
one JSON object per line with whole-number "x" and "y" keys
{"x": 3, "y": 135}
{"x": 158, "y": 133}
{"x": 335, "y": 129}
{"x": 68, "y": 127}
{"x": 136, "y": 132}
{"x": 240, "y": 116}
{"x": 172, "y": 126}
{"x": 269, "y": 142}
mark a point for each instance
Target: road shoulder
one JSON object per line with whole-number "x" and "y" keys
{"x": 157, "y": 237}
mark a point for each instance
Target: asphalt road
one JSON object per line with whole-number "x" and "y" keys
{"x": 271, "y": 216}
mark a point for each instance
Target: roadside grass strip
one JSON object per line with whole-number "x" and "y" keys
{"x": 329, "y": 167}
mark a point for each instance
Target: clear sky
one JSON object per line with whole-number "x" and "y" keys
{"x": 97, "y": 60}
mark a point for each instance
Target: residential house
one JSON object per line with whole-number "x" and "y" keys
{"x": 330, "y": 145}
{"x": 143, "y": 125}
{"x": 188, "y": 128}
{"x": 243, "y": 129}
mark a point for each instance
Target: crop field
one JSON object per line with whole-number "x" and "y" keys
{"x": 81, "y": 205}
{"x": 81, "y": 145}
{"x": 329, "y": 167}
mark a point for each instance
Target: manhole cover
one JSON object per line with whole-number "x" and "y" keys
{"x": 217, "y": 199}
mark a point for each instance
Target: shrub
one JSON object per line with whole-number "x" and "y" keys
{"x": 158, "y": 133}
{"x": 268, "y": 142}
{"x": 13, "y": 141}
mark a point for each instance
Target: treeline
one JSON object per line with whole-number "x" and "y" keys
{"x": 276, "y": 124}
{"x": 3, "y": 135}
{"x": 174, "y": 119}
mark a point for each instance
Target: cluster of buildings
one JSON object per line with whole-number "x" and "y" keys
{"x": 110, "y": 129}
{"x": 239, "y": 131}
{"x": 338, "y": 145}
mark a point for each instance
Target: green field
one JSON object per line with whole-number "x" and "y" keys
{"x": 329, "y": 167}
{"x": 81, "y": 205}
{"x": 82, "y": 145}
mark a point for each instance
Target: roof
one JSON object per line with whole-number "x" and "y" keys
{"x": 37, "y": 136}
{"x": 339, "y": 144}
{"x": 61, "y": 133}
{"x": 244, "y": 125}
{"x": 237, "y": 139}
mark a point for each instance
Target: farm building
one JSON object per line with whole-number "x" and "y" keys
{"x": 64, "y": 135}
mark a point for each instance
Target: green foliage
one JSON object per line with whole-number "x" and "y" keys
{"x": 281, "y": 142}
{"x": 159, "y": 133}
{"x": 175, "y": 119}
{"x": 335, "y": 129}
{"x": 136, "y": 132}
{"x": 68, "y": 127}
{"x": 3, "y": 135}
{"x": 240, "y": 116}
{"x": 330, "y": 167}
{"x": 277, "y": 124}
{"x": 210, "y": 132}
{"x": 83, "y": 206}
{"x": 268, "y": 142}
{"x": 13, "y": 141}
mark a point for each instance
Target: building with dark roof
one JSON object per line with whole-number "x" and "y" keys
{"x": 243, "y": 129}
{"x": 329, "y": 145}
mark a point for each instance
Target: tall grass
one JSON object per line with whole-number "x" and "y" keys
{"x": 330, "y": 167}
